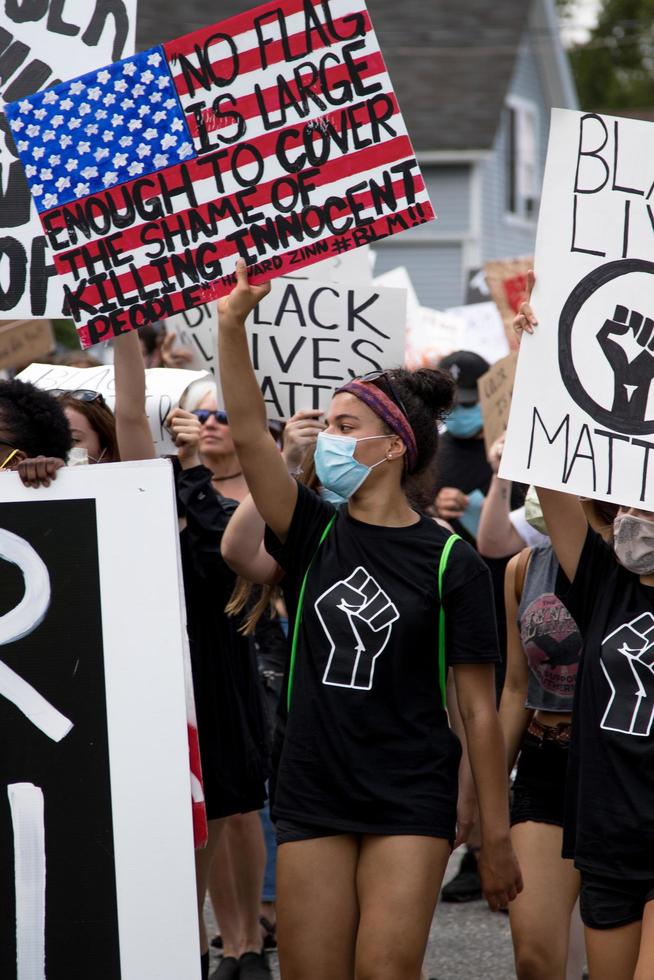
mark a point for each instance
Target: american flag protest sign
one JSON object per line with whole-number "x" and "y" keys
{"x": 275, "y": 135}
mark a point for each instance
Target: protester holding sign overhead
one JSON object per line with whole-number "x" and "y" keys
{"x": 609, "y": 828}
{"x": 367, "y": 785}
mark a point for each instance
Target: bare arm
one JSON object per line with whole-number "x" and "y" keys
{"x": 466, "y": 810}
{"x": 496, "y": 536}
{"x": 566, "y": 525}
{"x": 514, "y": 717}
{"x": 475, "y": 690}
{"x": 243, "y": 548}
{"x": 274, "y": 490}
{"x": 564, "y": 517}
{"x": 132, "y": 426}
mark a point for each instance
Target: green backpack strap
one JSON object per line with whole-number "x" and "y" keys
{"x": 442, "y": 662}
{"x": 298, "y": 615}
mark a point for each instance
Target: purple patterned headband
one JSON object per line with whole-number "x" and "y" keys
{"x": 388, "y": 411}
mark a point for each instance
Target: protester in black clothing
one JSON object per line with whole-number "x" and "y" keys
{"x": 609, "y": 820}
{"x": 367, "y": 785}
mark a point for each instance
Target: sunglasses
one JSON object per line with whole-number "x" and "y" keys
{"x": 204, "y": 414}
{"x": 79, "y": 394}
{"x": 374, "y": 376}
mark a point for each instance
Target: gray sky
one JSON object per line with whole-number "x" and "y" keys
{"x": 582, "y": 19}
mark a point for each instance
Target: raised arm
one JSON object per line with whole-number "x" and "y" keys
{"x": 243, "y": 548}
{"x": 514, "y": 717}
{"x": 496, "y": 535}
{"x": 132, "y": 426}
{"x": 567, "y": 527}
{"x": 272, "y": 487}
{"x": 564, "y": 517}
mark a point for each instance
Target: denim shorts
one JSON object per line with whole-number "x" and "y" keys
{"x": 539, "y": 786}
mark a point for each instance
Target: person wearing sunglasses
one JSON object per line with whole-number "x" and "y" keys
{"x": 231, "y": 723}
{"x": 366, "y": 795}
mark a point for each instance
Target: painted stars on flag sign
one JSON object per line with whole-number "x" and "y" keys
{"x": 111, "y": 126}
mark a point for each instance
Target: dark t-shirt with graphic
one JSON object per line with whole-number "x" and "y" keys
{"x": 367, "y": 747}
{"x": 609, "y": 826}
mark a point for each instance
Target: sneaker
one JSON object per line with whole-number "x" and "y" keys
{"x": 466, "y": 884}
{"x": 228, "y": 969}
{"x": 254, "y": 966}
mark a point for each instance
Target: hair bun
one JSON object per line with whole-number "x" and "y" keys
{"x": 434, "y": 388}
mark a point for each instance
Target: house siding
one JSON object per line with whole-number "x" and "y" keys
{"x": 433, "y": 253}
{"x": 502, "y": 236}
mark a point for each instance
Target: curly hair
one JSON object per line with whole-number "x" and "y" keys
{"x": 33, "y": 420}
{"x": 427, "y": 395}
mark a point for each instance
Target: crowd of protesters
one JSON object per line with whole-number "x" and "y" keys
{"x": 359, "y": 711}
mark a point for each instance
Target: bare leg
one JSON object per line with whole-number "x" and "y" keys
{"x": 645, "y": 965}
{"x": 247, "y": 851}
{"x": 203, "y": 860}
{"x": 398, "y": 881}
{"x": 317, "y": 909}
{"x": 224, "y": 896}
{"x": 613, "y": 953}
{"x": 540, "y": 915}
{"x": 576, "y": 947}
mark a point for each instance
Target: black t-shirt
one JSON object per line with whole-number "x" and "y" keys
{"x": 367, "y": 747}
{"x": 610, "y": 800}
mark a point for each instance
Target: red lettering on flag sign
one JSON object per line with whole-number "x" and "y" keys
{"x": 274, "y": 135}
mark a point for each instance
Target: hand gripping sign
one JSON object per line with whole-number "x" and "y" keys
{"x": 275, "y": 136}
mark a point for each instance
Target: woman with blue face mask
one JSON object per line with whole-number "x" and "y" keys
{"x": 366, "y": 797}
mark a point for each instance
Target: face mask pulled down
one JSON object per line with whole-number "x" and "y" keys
{"x": 633, "y": 543}
{"x": 336, "y": 467}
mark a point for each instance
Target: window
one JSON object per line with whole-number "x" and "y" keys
{"x": 521, "y": 127}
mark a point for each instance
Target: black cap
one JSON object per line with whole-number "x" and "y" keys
{"x": 466, "y": 368}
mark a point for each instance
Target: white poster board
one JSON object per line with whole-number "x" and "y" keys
{"x": 50, "y": 42}
{"x": 308, "y": 338}
{"x": 95, "y": 751}
{"x": 582, "y": 417}
{"x": 163, "y": 389}
{"x": 483, "y": 330}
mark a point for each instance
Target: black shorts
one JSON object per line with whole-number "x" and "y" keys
{"x": 606, "y": 903}
{"x": 539, "y": 787}
{"x": 288, "y": 832}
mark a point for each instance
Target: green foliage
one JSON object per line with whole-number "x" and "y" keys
{"x": 614, "y": 69}
{"x": 66, "y": 334}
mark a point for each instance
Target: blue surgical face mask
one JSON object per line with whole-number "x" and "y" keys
{"x": 465, "y": 421}
{"x": 336, "y": 467}
{"x": 332, "y": 498}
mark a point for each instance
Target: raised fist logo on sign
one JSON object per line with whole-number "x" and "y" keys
{"x": 358, "y": 618}
{"x": 628, "y": 344}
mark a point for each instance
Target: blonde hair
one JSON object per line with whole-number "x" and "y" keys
{"x": 197, "y": 391}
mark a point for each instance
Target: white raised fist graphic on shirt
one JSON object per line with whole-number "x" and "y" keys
{"x": 358, "y": 618}
{"x": 627, "y": 659}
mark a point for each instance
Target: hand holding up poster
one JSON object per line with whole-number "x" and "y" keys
{"x": 307, "y": 338}
{"x": 582, "y": 418}
{"x": 275, "y": 136}
{"x": 507, "y": 281}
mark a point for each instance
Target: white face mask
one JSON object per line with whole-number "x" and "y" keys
{"x": 633, "y": 543}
